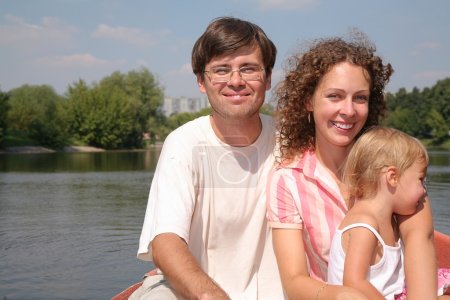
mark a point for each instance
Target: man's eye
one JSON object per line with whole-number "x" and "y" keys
{"x": 221, "y": 71}
{"x": 249, "y": 70}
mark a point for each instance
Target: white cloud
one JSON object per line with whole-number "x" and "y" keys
{"x": 295, "y": 5}
{"x": 134, "y": 36}
{"x": 430, "y": 45}
{"x": 185, "y": 69}
{"x": 425, "y": 46}
{"x": 142, "y": 62}
{"x": 77, "y": 61}
{"x": 16, "y": 31}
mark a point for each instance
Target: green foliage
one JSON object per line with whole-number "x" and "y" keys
{"x": 424, "y": 114}
{"x": 405, "y": 120}
{"x": 115, "y": 112}
{"x": 176, "y": 120}
{"x": 18, "y": 139}
{"x": 36, "y": 110}
{"x": 439, "y": 128}
{"x": 267, "y": 109}
{"x": 4, "y": 107}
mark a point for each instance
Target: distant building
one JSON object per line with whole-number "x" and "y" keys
{"x": 183, "y": 104}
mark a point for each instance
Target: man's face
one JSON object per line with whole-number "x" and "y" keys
{"x": 236, "y": 99}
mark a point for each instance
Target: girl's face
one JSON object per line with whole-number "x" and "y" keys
{"x": 340, "y": 105}
{"x": 410, "y": 189}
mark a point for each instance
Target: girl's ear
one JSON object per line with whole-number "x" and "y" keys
{"x": 392, "y": 176}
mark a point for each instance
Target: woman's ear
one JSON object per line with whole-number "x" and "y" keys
{"x": 309, "y": 104}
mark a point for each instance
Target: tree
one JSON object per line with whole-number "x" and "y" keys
{"x": 439, "y": 96}
{"x": 35, "y": 110}
{"x": 115, "y": 112}
{"x": 423, "y": 114}
{"x": 403, "y": 119}
{"x": 439, "y": 127}
{"x": 4, "y": 107}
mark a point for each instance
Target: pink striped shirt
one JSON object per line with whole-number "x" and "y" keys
{"x": 304, "y": 196}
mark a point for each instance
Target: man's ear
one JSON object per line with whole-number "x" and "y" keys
{"x": 268, "y": 81}
{"x": 201, "y": 83}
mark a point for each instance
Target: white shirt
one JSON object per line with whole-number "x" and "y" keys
{"x": 213, "y": 196}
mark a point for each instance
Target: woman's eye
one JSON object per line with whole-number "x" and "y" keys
{"x": 362, "y": 98}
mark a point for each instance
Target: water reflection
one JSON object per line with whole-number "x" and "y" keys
{"x": 80, "y": 162}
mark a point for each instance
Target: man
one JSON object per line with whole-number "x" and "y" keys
{"x": 205, "y": 227}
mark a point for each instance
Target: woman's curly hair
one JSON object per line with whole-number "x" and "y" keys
{"x": 296, "y": 133}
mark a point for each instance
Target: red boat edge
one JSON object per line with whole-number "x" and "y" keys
{"x": 441, "y": 242}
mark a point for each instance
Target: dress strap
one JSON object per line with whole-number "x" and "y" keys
{"x": 367, "y": 226}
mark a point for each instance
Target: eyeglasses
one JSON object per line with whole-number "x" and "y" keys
{"x": 223, "y": 74}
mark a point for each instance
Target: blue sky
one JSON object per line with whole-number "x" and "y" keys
{"x": 57, "y": 42}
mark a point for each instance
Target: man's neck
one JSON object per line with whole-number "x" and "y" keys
{"x": 237, "y": 133}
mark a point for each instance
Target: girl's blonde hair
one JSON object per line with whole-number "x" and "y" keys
{"x": 374, "y": 150}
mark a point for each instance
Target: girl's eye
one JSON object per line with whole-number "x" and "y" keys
{"x": 424, "y": 182}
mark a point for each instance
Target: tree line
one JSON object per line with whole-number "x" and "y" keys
{"x": 113, "y": 113}
{"x": 121, "y": 109}
{"x": 424, "y": 114}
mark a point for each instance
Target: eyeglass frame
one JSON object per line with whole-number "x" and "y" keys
{"x": 261, "y": 69}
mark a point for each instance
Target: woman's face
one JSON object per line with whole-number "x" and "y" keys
{"x": 340, "y": 105}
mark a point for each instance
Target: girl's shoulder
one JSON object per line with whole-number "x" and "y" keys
{"x": 357, "y": 215}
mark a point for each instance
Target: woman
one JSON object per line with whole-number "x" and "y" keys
{"x": 332, "y": 93}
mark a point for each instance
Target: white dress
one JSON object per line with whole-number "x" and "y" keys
{"x": 387, "y": 275}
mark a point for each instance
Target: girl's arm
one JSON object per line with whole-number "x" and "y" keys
{"x": 292, "y": 264}
{"x": 360, "y": 246}
{"x": 420, "y": 256}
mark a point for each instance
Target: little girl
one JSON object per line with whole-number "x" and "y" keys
{"x": 385, "y": 176}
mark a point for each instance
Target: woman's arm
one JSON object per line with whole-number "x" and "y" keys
{"x": 420, "y": 256}
{"x": 293, "y": 267}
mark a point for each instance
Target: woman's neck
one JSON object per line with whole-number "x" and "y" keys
{"x": 332, "y": 159}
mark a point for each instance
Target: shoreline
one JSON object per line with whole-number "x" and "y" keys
{"x": 80, "y": 149}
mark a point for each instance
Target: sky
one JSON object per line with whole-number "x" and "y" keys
{"x": 58, "y": 42}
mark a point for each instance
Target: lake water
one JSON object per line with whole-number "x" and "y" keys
{"x": 70, "y": 222}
